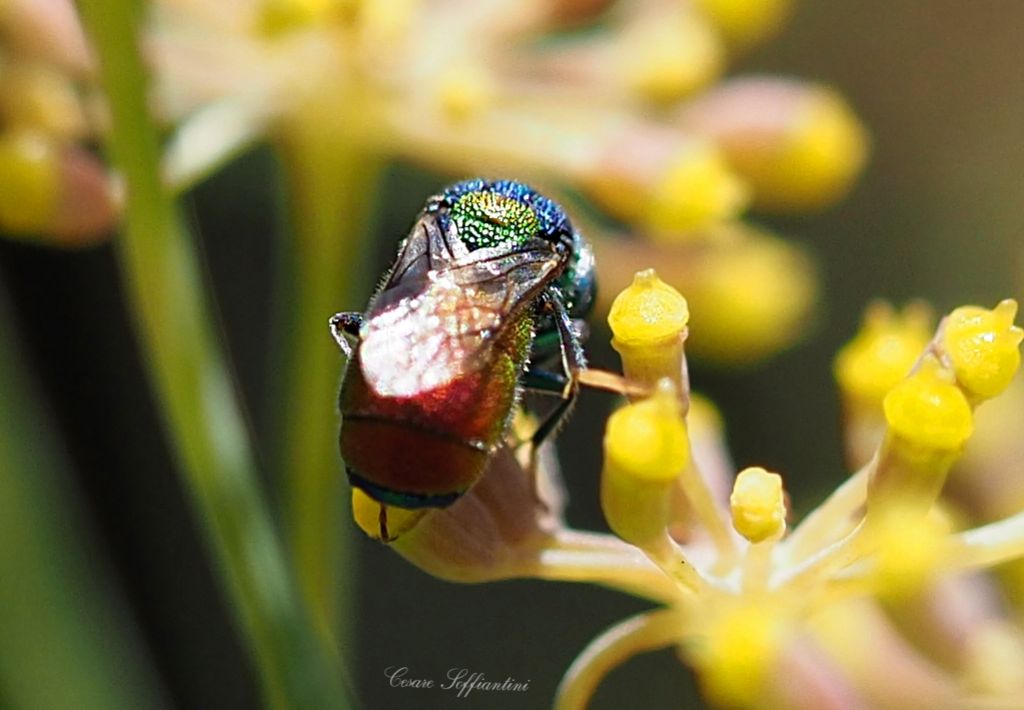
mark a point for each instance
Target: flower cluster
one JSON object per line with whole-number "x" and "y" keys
{"x": 877, "y": 597}
{"x": 614, "y": 101}
{"x": 52, "y": 185}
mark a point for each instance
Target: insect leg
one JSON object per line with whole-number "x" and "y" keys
{"x": 582, "y": 329}
{"x": 564, "y": 383}
{"x": 343, "y": 324}
{"x": 540, "y": 380}
{"x": 382, "y": 521}
{"x": 573, "y": 359}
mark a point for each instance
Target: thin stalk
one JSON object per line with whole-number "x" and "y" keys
{"x": 596, "y": 558}
{"x": 627, "y": 574}
{"x": 833, "y": 518}
{"x": 711, "y": 515}
{"x": 991, "y": 544}
{"x": 193, "y": 386}
{"x": 331, "y": 183}
{"x": 822, "y": 566}
{"x": 757, "y": 567}
{"x": 670, "y": 558}
{"x": 645, "y": 632}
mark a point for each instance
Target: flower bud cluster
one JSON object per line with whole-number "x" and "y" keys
{"x": 54, "y": 189}
{"x": 768, "y": 614}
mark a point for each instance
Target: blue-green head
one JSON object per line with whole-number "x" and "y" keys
{"x": 491, "y": 213}
{"x": 508, "y": 213}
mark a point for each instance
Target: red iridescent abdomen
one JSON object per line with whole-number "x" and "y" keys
{"x": 428, "y": 448}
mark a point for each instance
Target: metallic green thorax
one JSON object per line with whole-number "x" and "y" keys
{"x": 487, "y": 219}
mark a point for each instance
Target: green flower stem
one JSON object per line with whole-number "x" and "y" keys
{"x": 64, "y": 643}
{"x": 193, "y": 385}
{"x": 331, "y": 182}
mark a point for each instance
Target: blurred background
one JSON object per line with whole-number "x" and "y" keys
{"x": 938, "y": 214}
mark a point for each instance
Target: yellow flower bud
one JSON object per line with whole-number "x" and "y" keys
{"x": 280, "y": 16}
{"x": 983, "y": 346}
{"x": 929, "y": 421}
{"x": 749, "y": 293}
{"x": 758, "y": 505}
{"x": 30, "y": 176}
{"x": 464, "y": 89}
{"x": 744, "y": 22}
{"x": 817, "y": 160}
{"x": 665, "y": 58}
{"x": 929, "y": 410}
{"x": 648, "y": 321}
{"x": 646, "y": 447}
{"x": 882, "y": 353}
{"x": 750, "y": 297}
{"x": 798, "y": 146}
{"x": 38, "y": 97}
{"x": 697, "y": 188}
{"x": 661, "y": 178}
{"x": 648, "y": 313}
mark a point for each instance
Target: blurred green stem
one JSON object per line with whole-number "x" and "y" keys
{"x": 65, "y": 641}
{"x": 193, "y": 385}
{"x": 331, "y": 184}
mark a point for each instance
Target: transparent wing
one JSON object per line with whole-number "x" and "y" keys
{"x": 418, "y": 339}
{"x": 427, "y": 248}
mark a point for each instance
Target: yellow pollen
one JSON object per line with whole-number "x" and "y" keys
{"x": 929, "y": 410}
{"x": 648, "y": 321}
{"x": 983, "y": 346}
{"x": 758, "y": 505}
{"x": 648, "y": 312}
